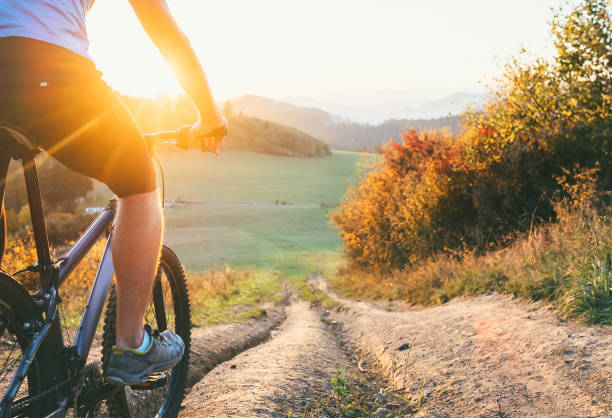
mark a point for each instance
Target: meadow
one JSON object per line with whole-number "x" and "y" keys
{"x": 254, "y": 211}
{"x": 244, "y": 223}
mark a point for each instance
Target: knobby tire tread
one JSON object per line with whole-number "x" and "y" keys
{"x": 117, "y": 404}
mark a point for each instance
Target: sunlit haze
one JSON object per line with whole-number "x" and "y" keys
{"x": 352, "y": 52}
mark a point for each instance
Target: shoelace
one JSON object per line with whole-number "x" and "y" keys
{"x": 157, "y": 335}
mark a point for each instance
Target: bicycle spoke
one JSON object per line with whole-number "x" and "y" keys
{"x": 158, "y": 302}
{"x": 2, "y": 374}
{"x": 66, "y": 330}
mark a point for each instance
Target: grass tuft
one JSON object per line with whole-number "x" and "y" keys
{"x": 231, "y": 295}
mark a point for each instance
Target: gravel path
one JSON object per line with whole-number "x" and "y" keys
{"x": 284, "y": 375}
{"x": 487, "y": 356}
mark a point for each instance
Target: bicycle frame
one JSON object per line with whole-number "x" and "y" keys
{"x": 52, "y": 273}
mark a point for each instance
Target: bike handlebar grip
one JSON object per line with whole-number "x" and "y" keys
{"x": 218, "y": 133}
{"x": 182, "y": 139}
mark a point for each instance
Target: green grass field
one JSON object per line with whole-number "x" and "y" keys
{"x": 232, "y": 218}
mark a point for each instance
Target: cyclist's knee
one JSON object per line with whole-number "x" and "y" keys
{"x": 135, "y": 176}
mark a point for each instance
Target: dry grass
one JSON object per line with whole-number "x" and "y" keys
{"x": 214, "y": 283}
{"x": 567, "y": 263}
{"x": 21, "y": 253}
{"x": 216, "y": 295}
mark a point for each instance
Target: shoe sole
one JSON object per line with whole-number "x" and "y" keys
{"x": 121, "y": 378}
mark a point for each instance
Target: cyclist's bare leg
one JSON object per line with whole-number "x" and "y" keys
{"x": 136, "y": 247}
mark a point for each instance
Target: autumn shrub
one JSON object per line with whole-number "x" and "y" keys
{"x": 21, "y": 252}
{"x": 18, "y": 221}
{"x": 433, "y": 194}
{"x": 568, "y": 264}
{"x": 409, "y": 207}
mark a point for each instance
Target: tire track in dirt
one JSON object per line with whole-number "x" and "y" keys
{"x": 487, "y": 356}
{"x": 286, "y": 374}
{"x": 211, "y": 346}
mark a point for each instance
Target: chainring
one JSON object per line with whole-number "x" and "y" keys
{"x": 86, "y": 402}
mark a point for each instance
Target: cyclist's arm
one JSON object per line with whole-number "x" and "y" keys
{"x": 158, "y": 22}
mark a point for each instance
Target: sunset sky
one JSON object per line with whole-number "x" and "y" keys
{"x": 345, "y": 51}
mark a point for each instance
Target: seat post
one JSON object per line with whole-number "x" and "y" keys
{"x": 36, "y": 210}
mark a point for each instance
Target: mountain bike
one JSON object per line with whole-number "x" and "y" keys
{"x": 43, "y": 372}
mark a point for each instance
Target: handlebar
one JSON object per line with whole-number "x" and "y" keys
{"x": 180, "y": 137}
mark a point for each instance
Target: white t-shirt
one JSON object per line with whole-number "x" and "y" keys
{"x": 58, "y": 22}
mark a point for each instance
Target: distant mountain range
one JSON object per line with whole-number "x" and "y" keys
{"x": 343, "y": 133}
{"x": 446, "y": 106}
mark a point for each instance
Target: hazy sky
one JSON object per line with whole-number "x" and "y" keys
{"x": 345, "y": 51}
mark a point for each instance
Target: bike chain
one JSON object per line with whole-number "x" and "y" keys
{"x": 30, "y": 399}
{"x": 57, "y": 388}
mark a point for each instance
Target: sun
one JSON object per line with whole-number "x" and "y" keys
{"x": 126, "y": 56}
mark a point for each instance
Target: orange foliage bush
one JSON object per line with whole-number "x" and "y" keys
{"x": 549, "y": 120}
{"x": 403, "y": 210}
{"x": 21, "y": 253}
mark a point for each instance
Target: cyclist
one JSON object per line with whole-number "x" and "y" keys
{"x": 51, "y": 90}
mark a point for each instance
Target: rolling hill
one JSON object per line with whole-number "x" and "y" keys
{"x": 267, "y": 137}
{"x": 339, "y": 133}
{"x": 246, "y": 133}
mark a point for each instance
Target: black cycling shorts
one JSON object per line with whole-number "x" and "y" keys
{"x": 59, "y": 100}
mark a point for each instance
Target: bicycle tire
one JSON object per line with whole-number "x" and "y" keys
{"x": 121, "y": 404}
{"x": 17, "y": 307}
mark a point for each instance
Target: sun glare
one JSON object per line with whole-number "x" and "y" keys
{"x": 128, "y": 59}
{"x": 346, "y": 51}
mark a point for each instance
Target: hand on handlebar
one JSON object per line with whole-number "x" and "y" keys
{"x": 207, "y": 134}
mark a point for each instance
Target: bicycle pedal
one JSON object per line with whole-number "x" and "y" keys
{"x": 154, "y": 381}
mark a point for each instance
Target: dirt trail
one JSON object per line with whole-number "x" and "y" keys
{"x": 284, "y": 375}
{"x": 487, "y": 356}
{"x": 211, "y": 346}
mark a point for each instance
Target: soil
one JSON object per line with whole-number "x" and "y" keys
{"x": 288, "y": 374}
{"x": 477, "y": 357}
{"x": 486, "y": 356}
{"x": 211, "y": 346}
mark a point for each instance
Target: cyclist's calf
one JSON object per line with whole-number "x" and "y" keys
{"x": 136, "y": 246}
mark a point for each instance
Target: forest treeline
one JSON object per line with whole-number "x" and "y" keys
{"x": 542, "y": 142}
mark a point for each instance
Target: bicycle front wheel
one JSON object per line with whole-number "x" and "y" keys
{"x": 168, "y": 309}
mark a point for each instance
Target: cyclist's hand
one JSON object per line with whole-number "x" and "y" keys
{"x": 199, "y": 135}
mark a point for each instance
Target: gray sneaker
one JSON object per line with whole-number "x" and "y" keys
{"x": 130, "y": 367}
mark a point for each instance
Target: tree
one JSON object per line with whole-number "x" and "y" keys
{"x": 61, "y": 187}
